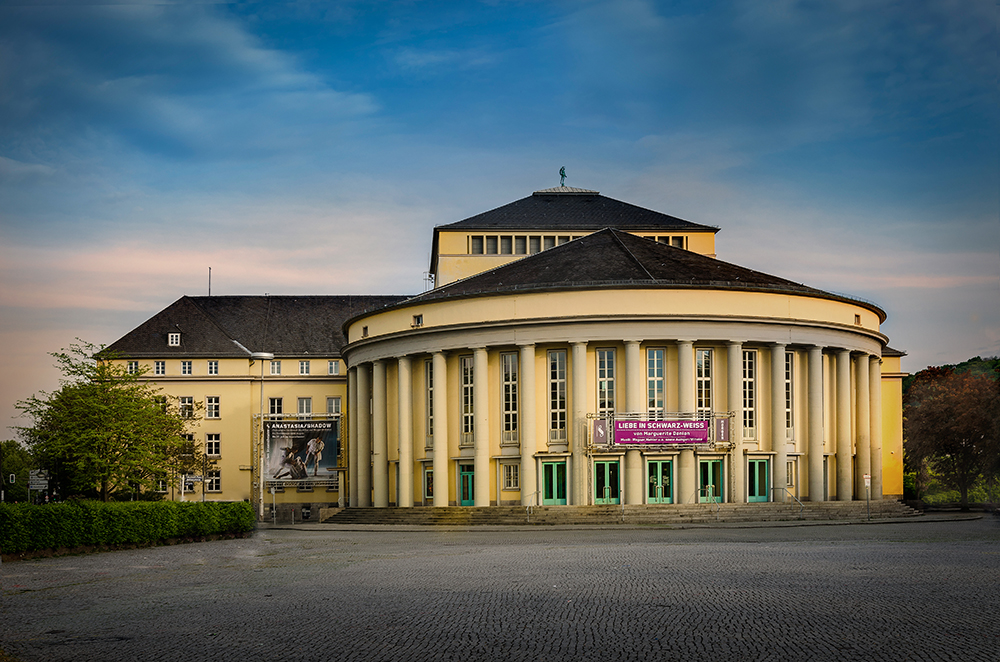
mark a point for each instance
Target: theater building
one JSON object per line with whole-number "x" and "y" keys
{"x": 575, "y": 350}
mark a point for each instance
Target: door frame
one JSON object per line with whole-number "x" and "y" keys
{"x": 666, "y": 496}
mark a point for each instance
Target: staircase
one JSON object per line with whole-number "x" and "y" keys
{"x": 629, "y": 514}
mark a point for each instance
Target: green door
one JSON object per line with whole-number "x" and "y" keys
{"x": 757, "y": 481}
{"x": 467, "y": 485}
{"x": 606, "y": 482}
{"x": 553, "y": 483}
{"x": 710, "y": 485}
{"x": 660, "y": 488}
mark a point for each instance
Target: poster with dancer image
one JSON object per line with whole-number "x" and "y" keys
{"x": 305, "y": 451}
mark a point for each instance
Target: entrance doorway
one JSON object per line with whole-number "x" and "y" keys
{"x": 606, "y": 483}
{"x": 553, "y": 483}
{"x": 660, "y": 488}
{"x": 710, "y": 485}
{"x": 757, "y": 480}
{"x": 467, "y": 485}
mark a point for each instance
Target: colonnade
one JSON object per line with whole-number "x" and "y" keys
{"x": 855, "y": 416}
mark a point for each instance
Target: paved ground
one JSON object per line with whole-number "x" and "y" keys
{"x": 887, "y": 591}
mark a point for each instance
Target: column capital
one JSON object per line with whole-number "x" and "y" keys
{"x": 525, "y": 345}
{"x": 778, "y": 344}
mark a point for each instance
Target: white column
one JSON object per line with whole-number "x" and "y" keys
{"x": 526, "y": 425}
{"x": 844, "y": 480}
{"x": 440, "y": 457}
{"x": 635, "y": 403}
{"x": 481, "y": 428}
{"x": 579, "y": 401}
{"x": 364, "y": 436}
{"x": 687, "y": 470}
{"x": 875, "y": 393}
{"x": 863, "y": 434}
{"x": 635, "y": 389}
{"x": 380, "y": 438}
{"x": 734, "y": 391}
{"x": 779, "y": 434}
{"x": 352, "y": 436}
{"x": 816, "y": 442}
{"x": 404, "y": 434}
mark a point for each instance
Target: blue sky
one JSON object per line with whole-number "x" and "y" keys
{"x": 310, "y": 147}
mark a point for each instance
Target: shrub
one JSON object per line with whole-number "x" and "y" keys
{"x": 28, "y": 528}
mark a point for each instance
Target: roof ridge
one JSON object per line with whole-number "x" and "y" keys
{"x": 211, "y": 318}
{"x": 614, "y": 233}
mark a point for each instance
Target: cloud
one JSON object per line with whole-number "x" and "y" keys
{"x": 178, "y": 81}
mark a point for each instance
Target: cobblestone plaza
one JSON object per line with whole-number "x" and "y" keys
{"x": 922, "y": 590}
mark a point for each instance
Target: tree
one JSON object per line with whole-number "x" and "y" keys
{"x": 952, "y": 422}
{"x": 15, "y": 460}
{"x": 106, "y": 429}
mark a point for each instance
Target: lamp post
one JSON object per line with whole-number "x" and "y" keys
{"x": 262, "y": 357}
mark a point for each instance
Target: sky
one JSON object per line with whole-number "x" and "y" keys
{"x": 311, "y": 147}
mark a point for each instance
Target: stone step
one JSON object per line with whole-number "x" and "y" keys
{"x": 612, "y": 514}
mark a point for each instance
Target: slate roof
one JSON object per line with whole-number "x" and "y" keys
{"x": 611, "y": 258}
{"x": 234, "y": 326}
{"x": 572, "y": 209}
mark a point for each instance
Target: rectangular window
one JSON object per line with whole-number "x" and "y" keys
{"x": 173, "y": 339}
{"x": 161, "y": 484}
{"x": 703, "y": 383}
{"x": 213, "y": 445}
{"x": 159, "y": 367}
{"x": 212, "y": 407}
{"x": 563, "y": 240}
{"x": 557, "y": 395}
{"x": 132, "y": 367}
{"x": 789, "y": 392}
{"x": 213, "y": 481}
{"x": 534, "y": 245}
{"x": 187, "y": 406}
{"x": 429, "y": 382}
{"x": 468, "y": 408}
{"x": 304, "y": 367}
{"x": 476, "y": 245}
{"x": 418, "y": 320}
{"x": 185, "y": 367}
{"x": 274, "y": 406}
{"x": 333, "y": 367}
{"x": 511, "y": 477}
{"x": 162, "y": 401}
{"x": 550, "y": 242}
{"x": 333, "y": 405}
{"x": 491, "y": 246}
{"x": 654, "y": 382}
{"x": 677, "y": 242}
{"x": 275, "y": 367}
{"x": 521, "y": 245}
{"x": 305, "y": 406}
{"x": 790, "y": 473}
{"x": 213, "y": 367}
{"x": 750, "y": 393}
{"x": 605, "y": 381}
{"x": 506, "y": 245}
{"x": 509, "y": 394}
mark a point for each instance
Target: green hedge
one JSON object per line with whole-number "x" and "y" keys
{"x": 27, "y": 528}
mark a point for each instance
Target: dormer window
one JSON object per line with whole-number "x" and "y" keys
{"x": 418, "y": 320}
{"x": 173, "y": 340}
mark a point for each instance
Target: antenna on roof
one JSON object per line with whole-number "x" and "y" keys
{"x": 210, "y": 281}
{"x": 562, "y": 176}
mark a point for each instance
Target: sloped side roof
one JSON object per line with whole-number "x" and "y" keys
{"x": 283, "y": 325}
{"x": 581, "y": 210}
{"x": 611, "y": 258}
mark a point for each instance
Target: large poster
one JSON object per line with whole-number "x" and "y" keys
{"x": 305, "y": 451}
{"x": 661, "y": 432}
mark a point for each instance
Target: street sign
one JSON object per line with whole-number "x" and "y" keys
{"x": 868, "y": 480}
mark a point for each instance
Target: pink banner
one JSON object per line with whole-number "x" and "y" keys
{"x": 661, "y": 432}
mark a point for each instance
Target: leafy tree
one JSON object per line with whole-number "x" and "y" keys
{"x": 15, "y": 460}
{"x": 105, "y": 430}
{"x": 952, "y": 424}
